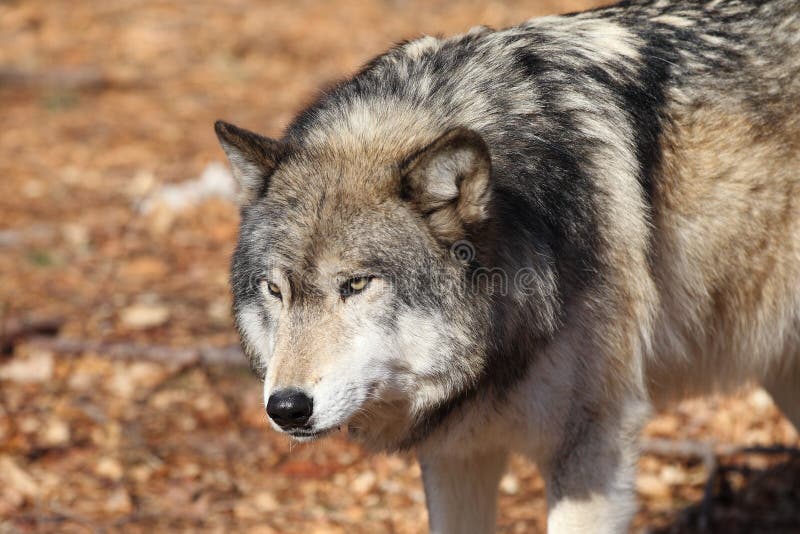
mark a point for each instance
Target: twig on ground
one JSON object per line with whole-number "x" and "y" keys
{"x": 81, "y": 78}
{"x": 231, "y": 355}
{"x": 35, "y": 233}
{"x": 705, "y": 450}
{"x": 14, "y": 330}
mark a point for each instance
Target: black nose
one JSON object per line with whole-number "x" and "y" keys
{"x": 289, "y": 408}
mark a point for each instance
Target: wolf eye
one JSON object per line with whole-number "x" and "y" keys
{"x": 354, "y": 285}
{"x": 272, "y": 288}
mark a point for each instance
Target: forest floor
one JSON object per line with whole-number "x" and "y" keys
{"x": 103, "y": 107}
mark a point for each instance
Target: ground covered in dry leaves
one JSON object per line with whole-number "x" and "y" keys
{"x": 109, "y": 267}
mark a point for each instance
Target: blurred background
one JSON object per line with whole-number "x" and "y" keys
{"x": 124, "y": 402}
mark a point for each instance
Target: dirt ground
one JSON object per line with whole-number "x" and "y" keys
{"x": 102, "y": 105}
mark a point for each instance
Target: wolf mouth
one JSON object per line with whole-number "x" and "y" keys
{"x": 308, "y": 435}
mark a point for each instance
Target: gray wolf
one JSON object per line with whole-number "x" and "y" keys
{"x": 528, "y": 239}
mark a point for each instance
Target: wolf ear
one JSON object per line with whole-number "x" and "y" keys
{"x": 448, "y": 181}
{"x": 253, "y": 158}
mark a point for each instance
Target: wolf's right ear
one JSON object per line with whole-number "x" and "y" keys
{"x": 448, "y": 181}
{"x": 253, "y": 158}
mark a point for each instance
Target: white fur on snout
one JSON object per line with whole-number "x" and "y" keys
{"x": 379, "y": 364}
{"x": 350, "y": 380}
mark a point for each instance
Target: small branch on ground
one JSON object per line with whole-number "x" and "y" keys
{"x": 12, "y": 331}
{"x": 80, "y": 78}
{"x": 231, "y": 355}
{"x": 704, "y": 450}
{"x": 34, "y": 233}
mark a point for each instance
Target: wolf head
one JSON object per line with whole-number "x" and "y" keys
{"x": 351, "y": 279}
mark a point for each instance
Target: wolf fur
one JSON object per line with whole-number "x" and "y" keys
{"x": 561, "y": 225}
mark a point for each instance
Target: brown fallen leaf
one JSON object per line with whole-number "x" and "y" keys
{"x": 16, "y": 478}
{"x": 36, "y": 367}
{"x": 143, "y": 316}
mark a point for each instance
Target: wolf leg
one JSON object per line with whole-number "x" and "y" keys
{"x": 461, "y": 492}
{"x": 590, "y": 483}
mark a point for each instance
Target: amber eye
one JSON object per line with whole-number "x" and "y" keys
{"x": 273, "y": 289}
{"x": 354, "y": 285}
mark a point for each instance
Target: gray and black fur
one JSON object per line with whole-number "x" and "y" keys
{"x": 599, "y": 132}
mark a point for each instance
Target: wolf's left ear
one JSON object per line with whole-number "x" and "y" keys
{"x": 448, "y": 181}
{"x": 253, "y": 158}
